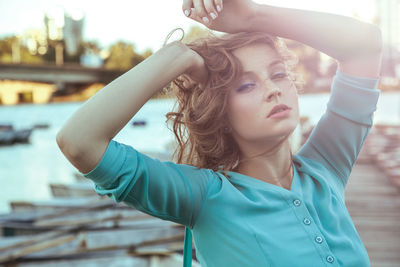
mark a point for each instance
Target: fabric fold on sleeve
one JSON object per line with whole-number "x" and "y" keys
{"x": 354, "y": 97}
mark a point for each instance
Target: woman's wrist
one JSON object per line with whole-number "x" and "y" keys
{"x": 254, "y": 17}
{"x": 183, "y": 52}
{"x": 193, "y": 63}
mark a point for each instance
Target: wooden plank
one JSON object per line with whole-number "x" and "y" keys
{"x": 66, "y": 245}
{"x": 378, "y": 189}
{"x": 173, "y": 260}
{"x": 389, "y": 256}
{"x": 100, "y": 260}
{"x": 87, "y": 243}
{"x": 51, "y": 204}
{"x": 387, "y": 244}
{"x": 374, "y": 205}
{"x": 72, "y": 190}
{"x": 21, "y": 251}
{"x": 37, "y": 214}
{"x": 14, "y": 242}
{"x": 158, "y": 249}
{"x": 96, "y": 219}
{"x": 119, "y": 259}
{"x": 127, "y": 238}
{"x": 31, "y": 220}
{"x": 376, "y": 224}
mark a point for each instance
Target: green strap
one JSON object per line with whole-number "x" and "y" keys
{"x": 187, "y": 248}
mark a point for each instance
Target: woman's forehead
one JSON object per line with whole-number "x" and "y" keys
{"x": 276, "y": 62}
{"x": 255, "y": 49}
{"x": 258, "y": 54}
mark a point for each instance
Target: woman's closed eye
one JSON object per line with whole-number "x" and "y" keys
{"x": 279, "y": 75}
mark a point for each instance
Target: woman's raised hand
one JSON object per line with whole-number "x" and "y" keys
{"x": 221, "y": 15}
{"x": 196, "y": 68}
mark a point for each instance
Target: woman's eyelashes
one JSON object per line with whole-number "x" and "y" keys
{"x": 280, "y": 75}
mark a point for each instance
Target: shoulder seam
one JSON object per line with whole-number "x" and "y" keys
{"x": 341, "y": 181}
{"x": 339, "y": 174}
{"x": 209, "y": 184}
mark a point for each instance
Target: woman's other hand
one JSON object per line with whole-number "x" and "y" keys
{"x": 197, "y": 70}
{"x": 221, "y": 15}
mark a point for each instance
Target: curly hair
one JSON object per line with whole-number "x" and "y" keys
{"x": 200, "y": 119}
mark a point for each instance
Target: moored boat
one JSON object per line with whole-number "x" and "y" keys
{"x": 11, "y": 136}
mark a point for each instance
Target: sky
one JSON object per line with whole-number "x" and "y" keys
{"x": 144, "y": 23}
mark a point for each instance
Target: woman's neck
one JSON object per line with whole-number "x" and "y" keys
{"x": 274, "y": 166}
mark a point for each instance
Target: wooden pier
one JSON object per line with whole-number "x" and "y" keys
{"x": 77, "y": 228}
{"x": 373, "y": 202}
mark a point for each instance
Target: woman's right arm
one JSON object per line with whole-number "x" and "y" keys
{"x": 84, "y": 137}
{"x": 174, "y": 192}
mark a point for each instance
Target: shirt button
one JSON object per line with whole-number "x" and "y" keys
{"x": 306, "y": 221}
{"x": 330, "y": 259}
{"x": 318, "y": 239}
{"x": 296, "y": 202}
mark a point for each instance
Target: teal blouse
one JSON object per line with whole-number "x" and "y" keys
{"x": 242, "y": 221}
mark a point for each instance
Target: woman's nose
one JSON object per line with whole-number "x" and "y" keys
{"x": 272, "y": 90}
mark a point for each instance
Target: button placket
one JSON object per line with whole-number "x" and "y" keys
{"x": 297, "y": 202}
{"x": 323, "y": 248}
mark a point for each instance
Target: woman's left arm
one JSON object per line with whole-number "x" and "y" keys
{"x": 356, "y": 45}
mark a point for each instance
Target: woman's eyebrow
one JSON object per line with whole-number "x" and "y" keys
{"x": 275, "y": 62}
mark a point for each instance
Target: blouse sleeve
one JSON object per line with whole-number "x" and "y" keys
{"x": 337, "y": 138}
{"x": 166, "y": 190}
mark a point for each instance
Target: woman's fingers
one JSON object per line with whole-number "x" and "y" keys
{"x": 186, "y": 7}
{"x": 218, "y": 5}
{"x": 189, "y": 11}
{"x": 194, "y": 16}
{"x": 201, "y": 11}
{"x": 210, "y": 8}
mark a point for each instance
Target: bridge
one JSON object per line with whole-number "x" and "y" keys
{"x": 62, "y": 79}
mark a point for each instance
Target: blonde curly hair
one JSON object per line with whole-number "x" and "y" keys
{"x": 200, "y": 117}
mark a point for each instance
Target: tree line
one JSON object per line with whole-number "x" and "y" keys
{"x": 123, "y": 55}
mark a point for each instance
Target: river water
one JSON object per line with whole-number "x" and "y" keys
{"x": 27, "y": 169}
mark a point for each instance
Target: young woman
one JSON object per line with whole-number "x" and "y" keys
{"x": 237, "y": 186}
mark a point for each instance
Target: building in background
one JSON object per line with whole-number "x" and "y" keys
{"x": 54, "y": 23}
{"x": 64, "y": 32}
{"x": 73, "y": 32}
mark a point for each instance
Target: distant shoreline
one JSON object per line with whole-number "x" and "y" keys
{"x": 87, "y": 92}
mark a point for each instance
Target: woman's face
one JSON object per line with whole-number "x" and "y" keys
{"x": 264, "y": 85}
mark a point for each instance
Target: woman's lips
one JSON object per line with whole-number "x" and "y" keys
{"x": 281, "y": 114}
